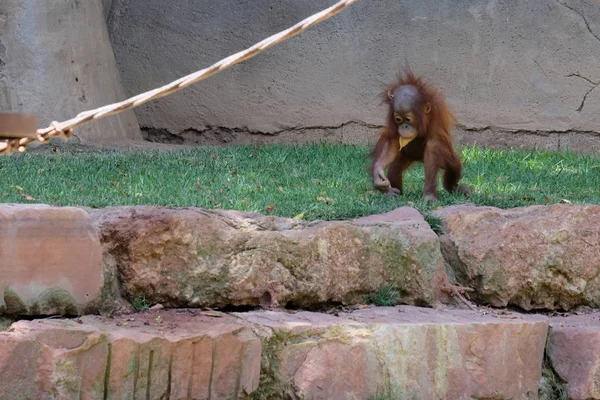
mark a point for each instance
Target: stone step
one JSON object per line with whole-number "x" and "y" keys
{"x": 573, "y": 350}
{"x": 64, "y": 260}
{"x": 50, "y": 260}
{"x": 215, "y": 258}
{"x": 409, "y": 351}
{"x": 538, "y": 257}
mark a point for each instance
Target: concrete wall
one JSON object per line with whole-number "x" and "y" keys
{"x": 56, "y": 60}
{"x": 517, "y": 73}
{"x": 107, "y": 5}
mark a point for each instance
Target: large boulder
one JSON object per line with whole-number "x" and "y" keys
{"x": 402, "y": 352}
{"x": 50, "y": 261}
{"x": 56, "y": 60}
{"x": 194, "y": 257}
{"x": 538, "y": 257}
{"x": 574, "y": 352}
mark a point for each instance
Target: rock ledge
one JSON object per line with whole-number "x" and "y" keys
{"x": 412, "y": 351}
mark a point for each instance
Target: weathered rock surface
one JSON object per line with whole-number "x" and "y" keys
{"x": 409, "y": 351}
{"x": 182, "y": 357}
{"x": 413, "y": 352}
{"x": 50, "y": 260}
{"x": 574, "y": 351}
{"x": 23, "y": 367}
{"x": 532, "y": 257}
{"x": 195, "y": 257}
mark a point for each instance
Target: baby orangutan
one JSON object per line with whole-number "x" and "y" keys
{"x": 417, "y": 129}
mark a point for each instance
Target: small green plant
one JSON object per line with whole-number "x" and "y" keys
{"x": 551, "y": 386}
{"x": 5, "y": 323}
{"x": 139, "y": 304}
{"x": 380, "y": 396}
{"x": 434, "y": 222}
{"x": 386, "y": 296}
{"x": 159, "y": 320}
{"x": 389, "y": 394}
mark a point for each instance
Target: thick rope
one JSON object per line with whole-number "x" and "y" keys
{"x": 65, "y": 129}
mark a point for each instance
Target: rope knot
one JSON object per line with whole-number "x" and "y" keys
{"x": 9, "y": 146}
{"x": 62, "y": 133}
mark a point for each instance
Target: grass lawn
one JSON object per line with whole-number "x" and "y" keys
{"x": 320, "y": 181}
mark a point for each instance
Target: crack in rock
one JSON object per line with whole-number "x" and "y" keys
{"x": 585, "y": 98}
{"x": 595, "y": 85}
{"x": 223, "y": 134}
{"x": 578, "y": 75}
{"x": 589, "y": 28}
{"x": 537, "y": 132}
{"x": 582, "y": 16}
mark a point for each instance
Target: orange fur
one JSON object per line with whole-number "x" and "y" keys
{"x": 432, "y": 145}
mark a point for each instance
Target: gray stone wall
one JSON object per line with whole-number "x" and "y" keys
{"x": 517, "y": 73}
{"x": 56, "y": 60}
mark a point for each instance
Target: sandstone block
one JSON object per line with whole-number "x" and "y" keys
{"x": 538, "y": 257}
{"x": 408, "y": 351}
{"x": 574, "y": 351}
{"x": 183, "y": 356}
{"x": 50, "y": 260}
{"x": 23, "y": 367}
{"x": 194, "y": 257}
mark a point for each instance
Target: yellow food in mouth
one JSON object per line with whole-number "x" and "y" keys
{"x": 404, "y": 141}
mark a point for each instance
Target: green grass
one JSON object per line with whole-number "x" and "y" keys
{"x": 386, "y": 296}
{"x": 389, "y": 394}
{"x": 139, "y": 304}
{"x": 552, "y": 387}
{"x": 321, "y": 181}
{"x": 434, "y": 222}
{"x": 381, "y": 396}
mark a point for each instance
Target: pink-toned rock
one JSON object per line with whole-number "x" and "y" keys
{"x": 538, "y": 257}
{"x": 200, "y": 258}
{"x": 574, "y": 351}
{"x": 24, "y": 372}
{"x": 183, "y": 356}
{"x": 417, "y": 352}
{"x": 50, "y": 260}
